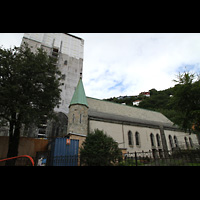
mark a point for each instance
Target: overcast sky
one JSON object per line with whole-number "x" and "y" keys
{"x": 129, "y": 63}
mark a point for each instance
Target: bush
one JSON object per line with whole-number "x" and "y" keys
{"x": 99, "y": 150}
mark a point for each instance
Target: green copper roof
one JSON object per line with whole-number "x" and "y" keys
{"x": 79, "y": 95}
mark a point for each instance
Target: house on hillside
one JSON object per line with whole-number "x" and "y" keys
{"x": 146, "y": 94}
{"x": 137, "y": 102}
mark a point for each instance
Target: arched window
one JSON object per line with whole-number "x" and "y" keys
{"x": 130, "y": 138}
{"x": 176, "y": 141}
{"x": 186, "y": 142}
{"x": 191, "y": 143}
{"x": 152, "y": 139}
{"x": 158, "y": 139}
{"x": 171, "y": 142}
{"x": 137, "y": 139}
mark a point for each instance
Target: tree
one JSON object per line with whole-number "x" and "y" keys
{"x": 186, "y": 101}
{"x": 29, "y": 89}
{"x": 99, "y": 150}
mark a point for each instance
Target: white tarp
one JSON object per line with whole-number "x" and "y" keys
{"x": 67, "y": 44}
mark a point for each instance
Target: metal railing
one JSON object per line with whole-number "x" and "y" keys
{"x": 176, "y": 157}
{"x": 20, "y": 160}
{"x": 162, "y": 158}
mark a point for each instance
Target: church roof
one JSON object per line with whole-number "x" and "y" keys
{"x": 114, "y": 118}
{"x": 105, "y": 110}
{"x": 79, "y": 95}
{"x": 117, "y": 112}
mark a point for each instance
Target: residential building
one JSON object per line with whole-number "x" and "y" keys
{"x": 137, "y": 102}
{"x": 146, "y": 94}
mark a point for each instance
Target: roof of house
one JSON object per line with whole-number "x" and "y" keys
{"x": 79, "y": 95}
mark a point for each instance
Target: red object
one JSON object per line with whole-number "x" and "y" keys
{"x": 68, "y": 142}
{"x": 31, "y": 159}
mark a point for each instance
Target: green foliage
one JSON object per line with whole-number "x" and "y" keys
{"x": 28, "y": 84}
{"x": 186, "y": 100}
{"x": 181, "y": 104}
{"x": 99, "y": 150}
{"x": 183, "y": 107}
{"x": 126, "y": 99}
{"x": 29, "y": 88}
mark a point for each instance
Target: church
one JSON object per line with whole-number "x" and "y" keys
{"x": 134, "y": 129}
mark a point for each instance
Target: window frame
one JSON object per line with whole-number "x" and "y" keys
{"x": 152, "y": 138}
{"x": 137, "y": 138}
{"x": 130, "y": 138}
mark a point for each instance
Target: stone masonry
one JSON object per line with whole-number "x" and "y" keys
{"x": 78, "y": 119}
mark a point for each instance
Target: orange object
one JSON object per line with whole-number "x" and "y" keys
{"x": 31, "y": 159}
{"x": 68, "y": 142}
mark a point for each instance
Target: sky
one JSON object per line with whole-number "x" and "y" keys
{"x": 120, "y": 64}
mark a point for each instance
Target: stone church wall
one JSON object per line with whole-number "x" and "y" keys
{"x": 119, "y": 133}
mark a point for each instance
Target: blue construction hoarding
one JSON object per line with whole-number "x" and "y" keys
{"x": 64, "y": 152}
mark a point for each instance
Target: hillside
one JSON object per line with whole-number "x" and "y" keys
{"x": 181, "y": 104}
{"x": 158, "y": 101}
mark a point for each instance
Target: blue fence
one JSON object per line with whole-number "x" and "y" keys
{"x": 65, "y": 160}
{"x": 64, "y": 154}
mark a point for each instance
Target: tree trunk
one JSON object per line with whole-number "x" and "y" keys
{"x": 13, "y": 139}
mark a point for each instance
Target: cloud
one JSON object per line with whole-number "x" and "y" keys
{"x": 127, "y": 64}
{"x": 9, "y": 40}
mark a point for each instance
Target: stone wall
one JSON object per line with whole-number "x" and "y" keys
{"x": 78, "y": 119}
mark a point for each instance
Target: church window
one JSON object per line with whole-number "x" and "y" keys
{"x": 191, "y": 143}
{"x": 73, "y": 118}
{"x": 171, "y": 142}
{"x": 158, "y": 139}
{"x": 186, "y": 142}
{"x": 130, "y": 138}
{"x": 152, "y": 139}
{"x": 80, "y": 118}
{"x": 137, "y": 140}
{"x": 176, "y": 141}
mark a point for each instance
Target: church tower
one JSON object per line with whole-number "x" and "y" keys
{"x": 78, "y": 111}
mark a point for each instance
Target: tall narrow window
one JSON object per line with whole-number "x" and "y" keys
{"x": 152, "y": 139}
{"x": 137, "y": 140}
{"x": 73, "y": 119}
{"x": 130, "y": 138}
{"x": 158, "y": 139}
{"x": 80, "y": 118}
{"x": 191, "y": 143}
{"x": 176, "y": 141}
{"x": 186, "y": 143}
{"x": 171, "y": 142}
